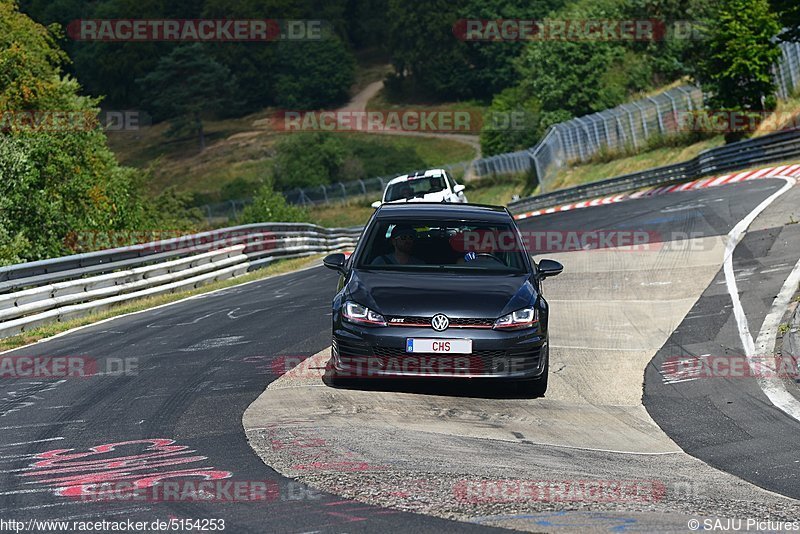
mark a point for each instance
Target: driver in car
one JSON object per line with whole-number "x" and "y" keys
{"x": 403, "y": 239}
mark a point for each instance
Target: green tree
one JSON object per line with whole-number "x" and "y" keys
{"x": 54, "y": 181}
{"x": 513, "y": 123}
{"x": 431, "y": 58}
{"x": 112, "y": 68}
{"x": 313, "y": 74}
{"x": 185, "y": 85}
{"x": 583, "y": 76}
{"x": 270, "y": 206}
{"x": 740, "y": 49}
{"x": 789, "y": 14}
{"x": 308, "y": 159}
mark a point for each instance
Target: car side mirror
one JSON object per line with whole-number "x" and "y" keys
{"x": 548, "y": 268}
{"x": 459, "y": 188}
{"x": 376, "y": 204}
{"x": 335, "y": 262}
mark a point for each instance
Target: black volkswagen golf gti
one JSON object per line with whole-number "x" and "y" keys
{"x": 441, "y": 290}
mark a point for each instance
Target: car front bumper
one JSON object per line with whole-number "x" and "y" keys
{"x": 364, "y": 352}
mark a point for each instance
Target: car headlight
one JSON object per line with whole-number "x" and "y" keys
{"x": 356, "y": 313}
{"x": 524, "y": 318}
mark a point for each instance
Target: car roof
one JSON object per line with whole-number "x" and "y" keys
{"x": 444, "y": 210}
{"x": 416, "y": 174}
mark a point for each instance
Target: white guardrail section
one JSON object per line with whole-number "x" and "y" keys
{"x": 59, "y": 289}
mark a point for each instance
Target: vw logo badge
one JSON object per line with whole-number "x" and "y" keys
{"x": 440, "y": 322}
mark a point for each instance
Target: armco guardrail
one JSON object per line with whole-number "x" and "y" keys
{"x": 767, "y": 149}
{"x": 36, "y": 293}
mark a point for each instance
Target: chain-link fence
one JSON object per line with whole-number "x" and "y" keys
{"x": 787, "y": 71}
{"x": 625, "y": 127}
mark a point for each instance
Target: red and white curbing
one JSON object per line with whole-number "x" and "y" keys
{"x": 770, "y": 172}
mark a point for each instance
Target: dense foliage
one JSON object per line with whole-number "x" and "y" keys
{"x": 789, "y": 14}
{"x": 740, "y": 49}
{"x": 303, "y": 75}
{"x": 269, "y": 205}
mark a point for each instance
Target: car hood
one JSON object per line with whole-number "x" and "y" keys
{"x": 426, "y": 293}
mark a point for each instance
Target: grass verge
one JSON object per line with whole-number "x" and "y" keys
{"x": 45, "y": 331}
{"x": 593, "y": 172}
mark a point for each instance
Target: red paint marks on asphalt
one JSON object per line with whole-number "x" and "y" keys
{"x": 141, "y": 462}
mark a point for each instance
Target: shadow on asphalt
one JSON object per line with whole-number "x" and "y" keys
{"x": 460, "y": 387}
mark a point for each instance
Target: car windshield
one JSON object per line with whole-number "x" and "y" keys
{"x": 443, "y": 245}
{"x": 415, "y": 187}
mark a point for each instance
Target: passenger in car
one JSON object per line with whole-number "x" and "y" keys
{"x": 403, "y": 239}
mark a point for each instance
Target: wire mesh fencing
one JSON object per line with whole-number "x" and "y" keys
{"x": 623, "y": 128}
{"x": 787, "y": 71}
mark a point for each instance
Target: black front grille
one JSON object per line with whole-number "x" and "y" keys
{"x": 455, "y": 322}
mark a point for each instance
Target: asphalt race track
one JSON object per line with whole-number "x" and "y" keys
{"x": 373, "y": 456}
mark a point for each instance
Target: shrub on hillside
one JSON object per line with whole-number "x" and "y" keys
{"x": 270, "y": 206}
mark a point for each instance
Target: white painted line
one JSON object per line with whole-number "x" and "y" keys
{"x": 764, "y": 345}
{"x": 773, "y": 270}
{"x": 773, "y": 389}
{"x": 28, "y": 442}
{"x": 40, "y": 506}
{"x": 36, "y": 425}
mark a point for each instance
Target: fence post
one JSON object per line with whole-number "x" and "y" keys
{"x": 658, "y": 114}
{"x": 633, "y": 128}
{"x": 644, "y": 119}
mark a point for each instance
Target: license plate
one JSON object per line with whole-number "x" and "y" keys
{"x": 439, "y": 346}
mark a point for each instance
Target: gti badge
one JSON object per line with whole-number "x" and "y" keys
{"x": 440, "y": 322}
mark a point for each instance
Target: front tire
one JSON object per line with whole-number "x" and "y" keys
{"x": 538, "y": 387}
